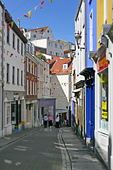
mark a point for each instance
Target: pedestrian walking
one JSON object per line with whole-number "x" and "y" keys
{"x": 60, "y": 121}
{"x": 50, "y": 121}
{"x": 57, "y": 121}
{"x": 45, "y": 120}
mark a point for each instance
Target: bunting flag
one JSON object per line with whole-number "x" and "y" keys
{"x": 25, "y": 16}
{"x": 21, "y": 60}
{"x": 44, "y": 69}
{"x": 35, "y": 65}
{"x": 24, "y": 62}
{"x": 12, "y": 23}
{"x": 7, "y": 52}
{"x": 1, "y": 31}
{"x": 29, "y": 13}
{"x": 50, "y": 1}
{"x": 42, "y": 3}
{"x": 35, "y": 7}
{"x": 11, "y": 55}
{"x": 8, "y": 27}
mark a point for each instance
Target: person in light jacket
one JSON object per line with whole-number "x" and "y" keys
{"x": 57, "y": 121}
{"x": 45, "y": 120}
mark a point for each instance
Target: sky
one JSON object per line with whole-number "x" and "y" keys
{"x": 58, "y": 15}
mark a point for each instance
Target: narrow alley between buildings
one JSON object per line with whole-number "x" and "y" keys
{"x": 46, "y": 149}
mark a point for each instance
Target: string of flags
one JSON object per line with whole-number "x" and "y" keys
{"x": 27, "y": 15}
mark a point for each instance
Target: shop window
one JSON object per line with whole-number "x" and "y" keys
{"x": 104, "y": 100}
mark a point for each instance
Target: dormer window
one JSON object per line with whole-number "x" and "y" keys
{"x": 65, "y": 66}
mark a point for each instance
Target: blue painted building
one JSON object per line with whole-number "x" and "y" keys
{"x": 88, "y": 72}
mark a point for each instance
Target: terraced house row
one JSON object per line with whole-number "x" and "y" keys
{"x": 92, "y": 109}
{"x": 30, "y": 86}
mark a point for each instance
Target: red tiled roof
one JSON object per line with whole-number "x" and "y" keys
{"x": 41, "y": 28}
{"x": 68, "y": 51}
{"x": 58, "y": 66}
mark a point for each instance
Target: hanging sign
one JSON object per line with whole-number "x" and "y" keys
{"x": 102, "y": 63}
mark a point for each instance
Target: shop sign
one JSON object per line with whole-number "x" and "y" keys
{"x": 102, "y": 63}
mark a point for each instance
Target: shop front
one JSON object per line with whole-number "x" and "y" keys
{"x": 46, "y": 106}
{"x": 101, "y": 104}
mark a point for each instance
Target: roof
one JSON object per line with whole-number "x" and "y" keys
{"x": 58, "y": 66}
{"x": 41, "y": 29}
{"x": 67, "y": 51}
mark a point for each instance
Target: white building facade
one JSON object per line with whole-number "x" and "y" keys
{"x": 1, "y": 68}
{"x": 14, "y": 53}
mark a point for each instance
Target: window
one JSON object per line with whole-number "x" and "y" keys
{"x": 34, "y": 36}
{"x": 7, "y": 36}
{"x": 21, "y": 78}
{"x": 65, "y": 66}
{"x": 13, "y": 41}
{"x": 91, "y": 32}
{"x": 48, "y": 31}
{"x": 50, "y": 44}
{"x": 50, "y": 92}
{"x": 33, "y": 68}
{"x": 30, "y": 87}
{"x": 17, "y": 76}
{"x": 33, "y": 88}
{"x": 7, "y": 76}
{"x": 13, "y": 75}
{"x": 48, "y": 38}
{"x": 27, "y": 65}
{"x": 30, "y": 67}
{"x": 60, "y": 46}
{"x": 50, "y": 52}
{"x": 104, "y": 99}
{"x": 21, "y": 48}
{"x": 17, "y": 45}
{"x": 55, "y": 45}
{"x": 57, "y": 54}
{"x": 27, "y": 87}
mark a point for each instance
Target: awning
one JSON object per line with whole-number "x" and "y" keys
{"x": 76, "y": 90}
{"x": 87, "y": 72}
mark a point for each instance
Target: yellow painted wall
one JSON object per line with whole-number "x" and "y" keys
{"x": 109, "y": 11}
{"x": 100, "y": 16}
{"x": 100, "y": 19}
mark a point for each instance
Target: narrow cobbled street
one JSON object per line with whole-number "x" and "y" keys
{"x": 46, "y": 149}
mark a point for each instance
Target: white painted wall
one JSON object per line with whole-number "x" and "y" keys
{"x": 15, "y": 61}
{"x": 80, "y": 52}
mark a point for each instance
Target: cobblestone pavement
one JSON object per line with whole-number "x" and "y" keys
{"x": 46, "y": 149}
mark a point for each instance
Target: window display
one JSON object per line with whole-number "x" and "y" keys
{"x": 104, "y": 99}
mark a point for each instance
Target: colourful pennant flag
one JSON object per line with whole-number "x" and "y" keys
{"x": 8, "y": 27}
{"x": 35, "y": 7}
{"x": 11, "y": 55}
{"x": 50, "y": 1}
{"x": 1, "y": 31}
{"x": 29, "y": 13}
{"x": 7, "y": 52}
{"x": 21, "y": 60}
{"x": 44, "y": 69}
{"x": 24, "y": 61}
{"x": 42, "y": 4}
{"x": 12, "y": 24}
{"x": 25, "y": 16}
{"x": 35, "y": 65}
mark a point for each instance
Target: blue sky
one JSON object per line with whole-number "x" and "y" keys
{"x": 58, "y": 15}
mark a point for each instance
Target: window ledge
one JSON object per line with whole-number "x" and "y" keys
{"x": 105, "y": 132}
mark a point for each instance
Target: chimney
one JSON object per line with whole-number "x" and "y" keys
{"x": 18, "y": 22}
